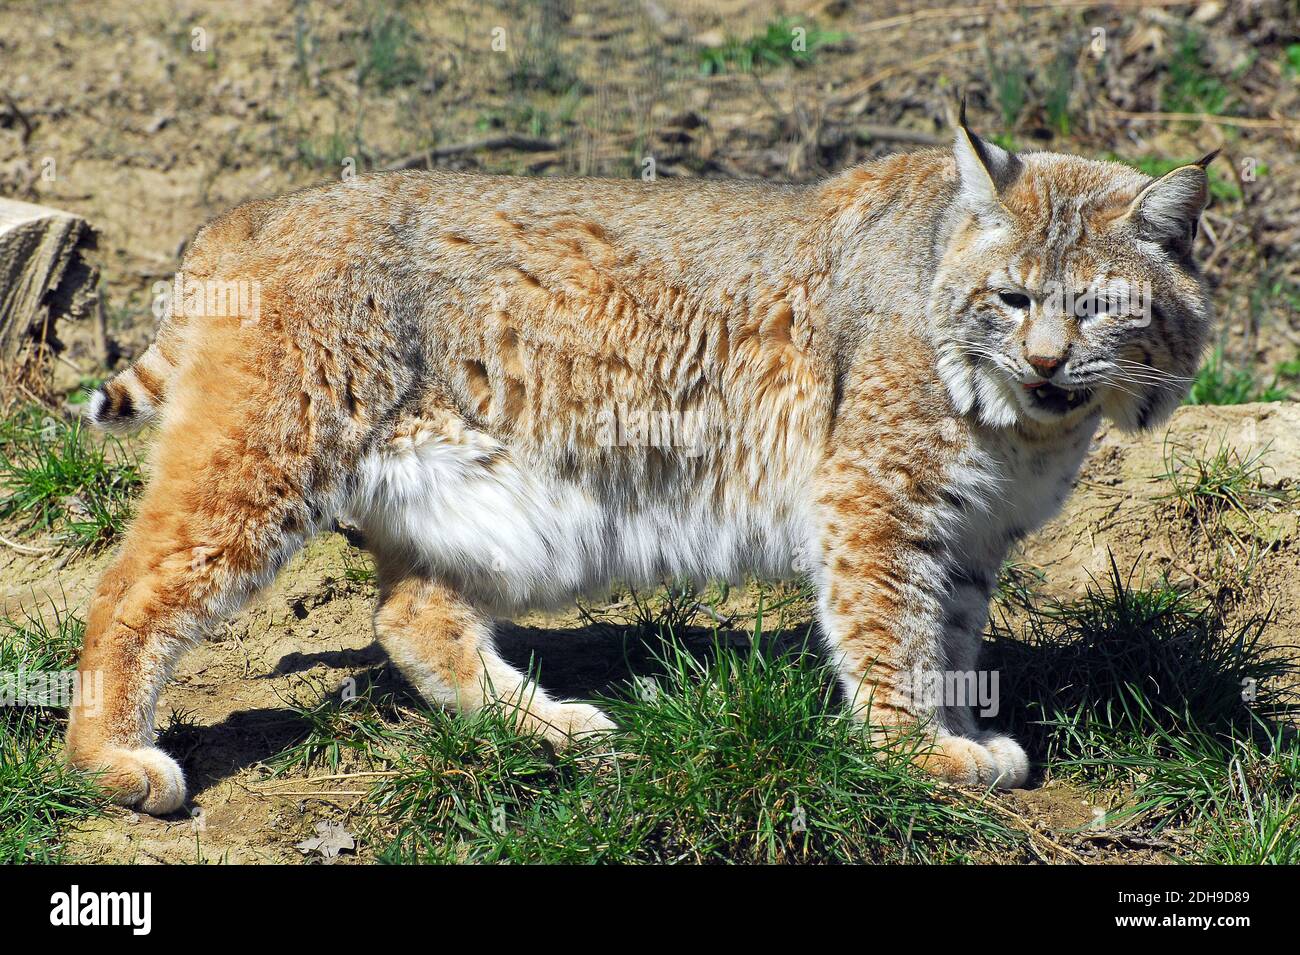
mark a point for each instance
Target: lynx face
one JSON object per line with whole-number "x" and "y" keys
{"x": 1067, "y": 287}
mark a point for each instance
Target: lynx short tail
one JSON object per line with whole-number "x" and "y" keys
{"x": 132, "y": 398}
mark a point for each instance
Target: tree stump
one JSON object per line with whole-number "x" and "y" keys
{"x": 46, "y": 279}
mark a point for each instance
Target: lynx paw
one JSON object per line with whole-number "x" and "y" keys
{"x": 564, "y": 723}
{"x": 146, "y": 779}
{"x": 991, "y": 761}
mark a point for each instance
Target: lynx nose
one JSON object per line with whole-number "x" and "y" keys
{"x": 1046, "y": 365}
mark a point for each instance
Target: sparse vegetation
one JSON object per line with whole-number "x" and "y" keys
{"x": 1291, "y": 60}
{"x": 343, "y": 724}
{"x": 1060, "y": 84}
{"x": 329, "y": 151}
{"x": 1010, "y": 78}
{"x": 1190, "y": 86}
{"x": 538, "y": 64}
{"x": 1206, "y": 486}
{"x": 1016, "y": 87}
{"x": 357, "y": 567}
{"x": 389, "y": 59}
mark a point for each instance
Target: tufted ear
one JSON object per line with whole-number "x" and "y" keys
{"x": 984, "y": 170}
{"x": 1167, "y": 211}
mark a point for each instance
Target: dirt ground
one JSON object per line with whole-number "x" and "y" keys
{"x": 151, "y": 116}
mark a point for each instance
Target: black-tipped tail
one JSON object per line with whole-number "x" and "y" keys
{"x": 122, "y": 405}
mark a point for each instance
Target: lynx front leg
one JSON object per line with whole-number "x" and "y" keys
{"x": 888, "y": 605}
{"x": 444, "y": 646}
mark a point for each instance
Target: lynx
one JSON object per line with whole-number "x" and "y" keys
{"x": 888, "y": 377}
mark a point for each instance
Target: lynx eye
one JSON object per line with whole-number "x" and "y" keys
{"x": 1014, "y": 299}
{"x": 1091, "y": 304}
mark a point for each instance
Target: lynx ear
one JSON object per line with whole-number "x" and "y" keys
{"x": 1167, "y": 211}
{"x": 983, "y": 171}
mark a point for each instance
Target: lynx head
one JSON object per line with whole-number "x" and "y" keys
{"x": 1067, "y": 286}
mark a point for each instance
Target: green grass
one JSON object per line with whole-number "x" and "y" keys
{"x": 327, "y": 152}
{"x": 39, "y": 796}
{"x": 1015, "y": 86}
{"x": 56, "y": 477}
{"x": 1256, "y": 810}
{"x": 1190, "y": 86}
{"x": 352, "y": 726}
{"x": 1146, "y": 691}
{"x": 1139, "y": 693}
{"x": 1219, "y": 384}
{"x": 1060, "y": 83}
{"x": 1290, "y": 369}
{"x": 358, "y": 568}
{"x": 1291, "y": 60}
{"x": 1273, "y": 298}
{"x": 784, "y": 41}
{"x": 744, "y": 757}
{"x": 85, "y": 388}
{"x": 1010, "y": 80}
{"x": 528, "y": 118}
{"x": 537, "y": 62}
{"x": 389, "y": 59}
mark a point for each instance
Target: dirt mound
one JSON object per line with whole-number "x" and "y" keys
{"x": 1185, "y": 528}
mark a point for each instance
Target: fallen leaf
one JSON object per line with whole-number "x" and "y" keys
{"x": 329, "y": 841}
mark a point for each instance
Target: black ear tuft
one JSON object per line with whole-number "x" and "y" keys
{"x": 984, "y": 169}
{"x": 1204, "y": 161}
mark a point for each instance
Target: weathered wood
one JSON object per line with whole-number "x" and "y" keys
{"x": 45, "y": 277}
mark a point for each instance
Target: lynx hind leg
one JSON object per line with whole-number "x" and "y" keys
{"x": 443, "y": 645}
{"x": 204, "y": 539}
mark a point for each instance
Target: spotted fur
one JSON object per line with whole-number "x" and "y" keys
{"x": 847, "y": 380}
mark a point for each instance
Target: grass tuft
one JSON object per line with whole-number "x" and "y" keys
{"x": 1205, "y": 488}
{"x": 56, "y": 477}
{"x": 1146, "y": 690}
{"x": 352, "y": 726}
{"x": 1190, "y": 86}
{"x": 39, "y": 796}
{"x": 389, "y": 60}
{"x": 1218, "y": 384}
{"x": 783, "y": 41}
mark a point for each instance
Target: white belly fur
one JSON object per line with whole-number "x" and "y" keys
{"x": 511, "y": 538}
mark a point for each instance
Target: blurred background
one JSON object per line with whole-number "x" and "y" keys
{"x": 148, "y": 117}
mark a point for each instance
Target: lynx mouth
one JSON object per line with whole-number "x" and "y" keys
{"x": 1059, "y": 400}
